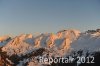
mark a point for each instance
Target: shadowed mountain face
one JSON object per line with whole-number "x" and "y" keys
{"x": 26, "y": 49}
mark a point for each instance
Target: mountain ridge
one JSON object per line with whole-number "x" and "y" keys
{"x": 61, "y": 44}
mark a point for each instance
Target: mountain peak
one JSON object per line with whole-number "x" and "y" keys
{"x": 4, "y": 38}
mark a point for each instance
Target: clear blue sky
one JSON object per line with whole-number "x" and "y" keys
{"x": 29, "y": 16}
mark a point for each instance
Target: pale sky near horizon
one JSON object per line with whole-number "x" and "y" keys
{"x": 30, "y": 16}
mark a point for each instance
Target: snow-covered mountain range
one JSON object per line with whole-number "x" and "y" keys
{"x": 29, "y": 48}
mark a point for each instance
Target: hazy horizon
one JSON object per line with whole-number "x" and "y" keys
{"x": 31, "y": 16}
